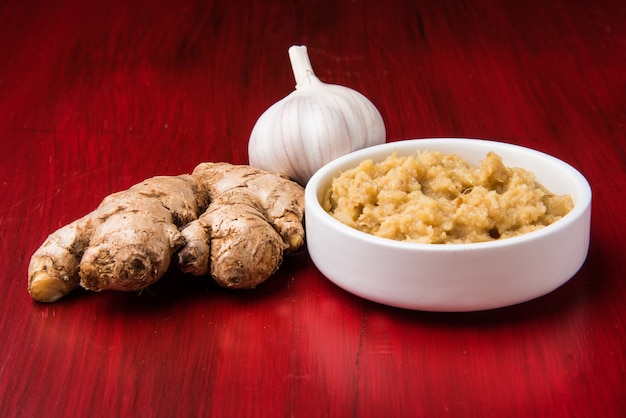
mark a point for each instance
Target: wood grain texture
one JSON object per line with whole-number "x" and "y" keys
{"x": 96, "y": 96}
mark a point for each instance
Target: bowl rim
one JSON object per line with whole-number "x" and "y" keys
{"x": 312, "y": 203}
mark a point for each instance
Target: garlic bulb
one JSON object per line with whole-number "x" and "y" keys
{"x": 313, "y": 125}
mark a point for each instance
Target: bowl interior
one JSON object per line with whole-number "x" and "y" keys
{"x": 554, "y": 174}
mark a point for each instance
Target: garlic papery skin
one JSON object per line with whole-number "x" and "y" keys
{"x": 313, "y": 125}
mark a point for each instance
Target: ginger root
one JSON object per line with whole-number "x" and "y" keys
{"x": 233, "y": 221}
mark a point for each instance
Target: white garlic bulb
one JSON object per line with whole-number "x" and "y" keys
{"x": 313, "y": 125}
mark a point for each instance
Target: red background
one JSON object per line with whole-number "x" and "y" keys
{"x": 96, "y": 96}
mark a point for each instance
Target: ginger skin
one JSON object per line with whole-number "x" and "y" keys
{"x": 264, "y": 220}
{"x": 234, "y": 221}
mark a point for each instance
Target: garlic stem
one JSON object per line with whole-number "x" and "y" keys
{"x": 301, "y": 66}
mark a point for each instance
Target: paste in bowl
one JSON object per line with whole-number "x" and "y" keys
{"x": 437, "y": 198}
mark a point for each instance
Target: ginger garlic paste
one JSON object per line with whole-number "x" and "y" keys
{"x": 437, "y": 198}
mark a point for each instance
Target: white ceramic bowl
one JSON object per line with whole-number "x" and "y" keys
{"x": 452, "y": 277}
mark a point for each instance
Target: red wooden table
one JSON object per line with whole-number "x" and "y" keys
{"x": 96, "y": 96}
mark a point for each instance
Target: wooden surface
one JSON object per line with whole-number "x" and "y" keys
{"x": 96, "y": 96}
